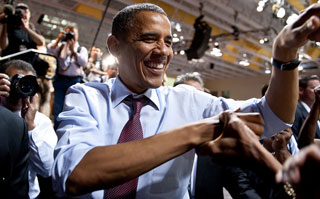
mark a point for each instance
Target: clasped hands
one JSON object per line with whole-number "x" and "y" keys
{"x": 237, "y": 135}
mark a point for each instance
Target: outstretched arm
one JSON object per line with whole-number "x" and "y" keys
{"x": 282, "y": 95}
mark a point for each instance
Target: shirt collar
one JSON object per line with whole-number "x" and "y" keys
{"x": 305, "y": 106}
{"x": 119, "y": 92}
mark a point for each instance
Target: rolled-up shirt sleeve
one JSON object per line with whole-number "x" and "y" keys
{"x": 78, "y": 134}
{"x": 272, "y": 123}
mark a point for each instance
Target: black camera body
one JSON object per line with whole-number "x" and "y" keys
{"x": 14, "y": 15}
{"x": 23, "y": 86}
{"x": 68, "y": 36}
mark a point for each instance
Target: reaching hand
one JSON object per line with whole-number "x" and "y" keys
{"x": 238, "y": 131}
{"x": 281, "y": 140}
{"x": 302, "y": 172}
{"x": 317, "y": 93}
{"x": 4, "y": 85}
{"x": 295, "y": 35}
{"x": 29, "y": 109}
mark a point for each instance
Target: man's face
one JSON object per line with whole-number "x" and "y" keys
{"x": 112, "y": 71}
{"x": 95, "y": 52}
{"x": 145, "y": 55}
{"x": 307, "y": 94}
{"x": 11, "y": 103}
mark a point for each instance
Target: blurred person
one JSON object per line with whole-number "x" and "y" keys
{"x": 309, "y": 130}
{"x": 306, "y": 100}
{"x": 71, "y": 59}
{"x": 99, "y": 154}
{"x": 94, "y": 71}
{"x": 192, "y": 79}
{"x": 300, "y": 171}
{"x": 42, "y": 137}
{"x": 17, "y": 36}
{"x": 112, "y": 70}
{"x": 14, "y": 156}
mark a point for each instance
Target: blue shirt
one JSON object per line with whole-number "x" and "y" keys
{"x": 95, "y": 113}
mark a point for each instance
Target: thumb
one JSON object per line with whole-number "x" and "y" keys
{"x": 309, "y": 27}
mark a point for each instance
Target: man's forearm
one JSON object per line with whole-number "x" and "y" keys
{"x": 37, "y": 38}
{"x": 122, "y": 162}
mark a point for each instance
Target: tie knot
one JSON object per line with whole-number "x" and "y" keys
{"x": 138, "y": 103}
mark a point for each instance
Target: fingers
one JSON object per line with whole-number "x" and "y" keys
{"x": 292, "y": 167}
{"x": 4, "y": 85}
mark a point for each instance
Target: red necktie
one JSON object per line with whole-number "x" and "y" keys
{"x": 130, "y": 132}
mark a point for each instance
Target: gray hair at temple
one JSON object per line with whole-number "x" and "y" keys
{"x": 195, "y": 76}
{"x": 124, "y": 20}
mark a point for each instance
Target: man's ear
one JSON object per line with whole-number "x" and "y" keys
{"x": 114, "y": 45}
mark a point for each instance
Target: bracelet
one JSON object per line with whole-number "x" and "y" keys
{"x": 285, "y": 66}
{"x": 289, "y": 190}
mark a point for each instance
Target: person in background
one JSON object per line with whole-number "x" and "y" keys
{"x": 71, "y": 59}
{"x": 42, "y": 137}
{"x": 192, "y": 79}
{"x": 306, "y": 100}
{"x": 94, "y": 71}
{"x": 17, "y": 36}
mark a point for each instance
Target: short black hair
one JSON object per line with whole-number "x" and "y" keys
{"x": 195, "y": 76}
{"x": 124, "y": 20}
{"x": 303, "y": 81}
{"x": 18, "y": 64}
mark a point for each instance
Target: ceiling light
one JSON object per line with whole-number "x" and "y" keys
{"x": 261, "y": 41}
{"x": 175, "y": 39}
{"x": 216, "y": 52}
{"x": 267, "y": 71}
{"x": 182, "y": 52}
{"x": 291, "y": 18}
{"x": 278, "y": 11}
{"x": 244, "y": 62}
{"x": 259, "y": 9}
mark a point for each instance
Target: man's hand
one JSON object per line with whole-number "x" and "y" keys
{"x": 4, "y": 85}
{"x": 281, "y": 140}
{"x": 302, "y": 172}
{"x": 238, "y": 132}
{"x": 295, "y": 35}
{"x": 29, "y": 109}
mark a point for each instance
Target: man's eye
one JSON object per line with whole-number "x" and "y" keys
{"x": 149, "y": 40}
{"x": 169, "y": 43}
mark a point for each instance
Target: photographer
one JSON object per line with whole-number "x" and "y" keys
{"x": 71, "y": 59}
{"x": 42, "y": 137}
{"x": 17, "y": 34}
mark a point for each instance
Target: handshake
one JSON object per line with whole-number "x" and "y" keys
{"x": 237, "y": 134}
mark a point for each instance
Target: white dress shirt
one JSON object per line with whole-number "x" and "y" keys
{"x": 42, "y": 141}
{"x": 94, "y": 115}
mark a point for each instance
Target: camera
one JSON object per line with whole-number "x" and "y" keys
{"x": 23, "y": 86}
{"x": 14, "y": 15}
{"x": 68, "y": 36}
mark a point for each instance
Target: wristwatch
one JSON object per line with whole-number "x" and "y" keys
{"x": 285, "y": 65}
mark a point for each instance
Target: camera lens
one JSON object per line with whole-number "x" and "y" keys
{"x": 23, "y": 86}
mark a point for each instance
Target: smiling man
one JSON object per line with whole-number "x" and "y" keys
{"x": 133, "y": 138}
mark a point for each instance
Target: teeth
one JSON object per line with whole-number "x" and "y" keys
{"x": 155, "y": 65}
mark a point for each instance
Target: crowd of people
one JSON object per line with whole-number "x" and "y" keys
{"x": 118, "y": 132}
